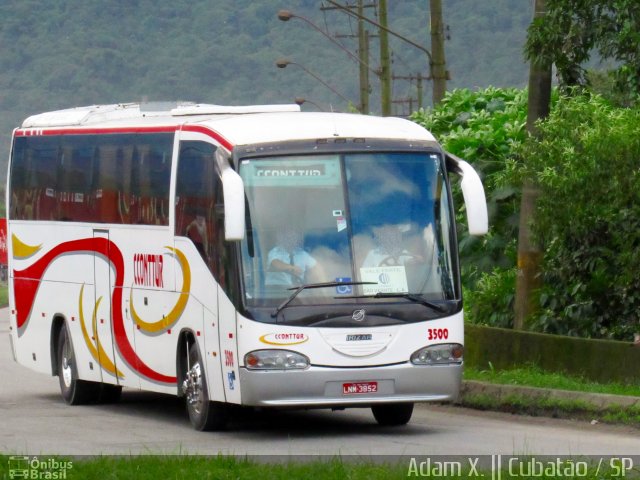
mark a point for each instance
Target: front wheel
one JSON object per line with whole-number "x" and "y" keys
{"x": 204, "y": 414}
{"x": 73, "y": 390}
{"x": 393, "y": 414}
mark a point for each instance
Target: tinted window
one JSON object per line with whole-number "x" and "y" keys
{"x": 117, "y": 178}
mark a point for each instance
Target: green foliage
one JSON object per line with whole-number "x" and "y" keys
{"x": 214, "y": 467}
{"x": 572, "y": 29}
{"x": 532, "y": 375}
{"x": 553, "y": 407}
{"x": 588, "y": 218}
{"x": 485, "y": 127}
{"x": 491, "y": 301}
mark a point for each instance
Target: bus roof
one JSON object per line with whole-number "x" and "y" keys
{"x": 238, "y": 125}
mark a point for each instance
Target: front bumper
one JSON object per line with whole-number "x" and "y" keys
{"x": 322, "y": 386}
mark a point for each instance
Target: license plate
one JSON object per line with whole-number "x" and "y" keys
{"x": 359, "y": 388}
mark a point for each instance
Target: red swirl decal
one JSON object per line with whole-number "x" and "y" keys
{"x": 27, "y": 281}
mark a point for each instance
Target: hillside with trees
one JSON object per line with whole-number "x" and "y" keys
{"x": 71, "y": 53}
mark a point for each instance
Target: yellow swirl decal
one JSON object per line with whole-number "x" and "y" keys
{"x": 98, "y": 353}
{"x": 21, "y": 249}
{"x": 172, "y": 317}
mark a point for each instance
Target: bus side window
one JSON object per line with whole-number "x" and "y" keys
{"x": 33, "y": 179}
{"x": 105, "y": 185}
{"x": 151, "y": 172}
{"x": 75, "y": 180}
{"x": 197, "y": 187}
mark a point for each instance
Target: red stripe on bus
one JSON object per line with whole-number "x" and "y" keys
{"x": 27, "y": 281}
{"x": 35, "y": 132}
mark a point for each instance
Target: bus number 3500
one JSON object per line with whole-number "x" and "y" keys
{"x": 438, "y": 333}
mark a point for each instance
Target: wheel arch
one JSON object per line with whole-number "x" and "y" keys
{"x": 58, "y": 323}
{"x": 186, "y": 338}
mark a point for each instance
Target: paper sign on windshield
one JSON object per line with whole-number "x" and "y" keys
{"x": 388, "y": 279}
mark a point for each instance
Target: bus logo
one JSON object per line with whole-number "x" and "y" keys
{"x": 284, "y": 338}
{"x": 359, "y": 337}
{"x": 359, "y": 315}
{"x": 19, "y": 467}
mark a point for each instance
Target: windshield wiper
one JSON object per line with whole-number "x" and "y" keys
{"x": 308, "y": 286}
{"x": 409, "y": 296}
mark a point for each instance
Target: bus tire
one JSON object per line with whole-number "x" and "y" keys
{"x": 204, "y": 414}
{"x": 74, "y": 391}
{"x": 392, "y": 414}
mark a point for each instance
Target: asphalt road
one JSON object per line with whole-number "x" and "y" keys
{"x": 35, "y": 420}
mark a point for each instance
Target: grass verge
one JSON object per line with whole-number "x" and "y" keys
{"x": 553, "y": 407}
{"x": 532, "y": 376}
{"x": 232, "y": 468}
{"x": 221, "y": 467}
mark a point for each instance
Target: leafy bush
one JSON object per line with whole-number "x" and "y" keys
{"x": 588, "y": 218}
{"x": 485, "y": 127}
{"x": 491, "y": 301}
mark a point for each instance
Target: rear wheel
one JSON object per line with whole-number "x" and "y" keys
{"x": 73, "y": 390}
{"x": 393, "y": 414}
{"x": 204, "y": 414}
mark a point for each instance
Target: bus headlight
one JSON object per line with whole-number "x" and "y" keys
{"x": 275, "y": 360}
{"x": 442, "y": 354}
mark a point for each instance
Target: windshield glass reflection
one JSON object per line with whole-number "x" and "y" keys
{"x": 382, "y": 219}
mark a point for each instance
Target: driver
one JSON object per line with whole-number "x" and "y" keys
{"x": 389, "y": 249}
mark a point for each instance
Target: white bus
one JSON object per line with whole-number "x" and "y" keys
{"x": 257, "y": 256}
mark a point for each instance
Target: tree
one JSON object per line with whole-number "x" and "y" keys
{"x": 573, "y": 29}
{"x": 588, "y": 218}
{"x": 529, "y": 253}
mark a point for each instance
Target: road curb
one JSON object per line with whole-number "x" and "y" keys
{"x": 499, "y": 391}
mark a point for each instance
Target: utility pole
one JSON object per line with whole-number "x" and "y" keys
{"x": 529, "y": 252}
{"x": 385, "y": 61}
{"x": 383, "y": 28}
{"x": 438, "y": 63}
{"x": 363, "y": 52}
{"x": 363, "y": 49}
{"x": 418, "y": 78}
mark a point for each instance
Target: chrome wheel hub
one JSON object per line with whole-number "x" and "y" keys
{"x": 67, "y": 374}
{"x": 192, "y": 388}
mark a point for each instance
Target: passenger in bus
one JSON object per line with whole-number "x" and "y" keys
{"x": 197, "y": 232}
{"x": 390, "y": 249}
{"x": 288, "y": 263}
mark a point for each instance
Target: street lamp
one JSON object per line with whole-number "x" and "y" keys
{"x": 362, "y": 58}
{"x": 284, "y": 62}
{"x": 286, "y": 15}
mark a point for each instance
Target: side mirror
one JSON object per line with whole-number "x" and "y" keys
{"x": 233, "y": 194}
{"x": 473, "y": 193}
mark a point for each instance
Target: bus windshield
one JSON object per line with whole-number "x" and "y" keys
{"x": 381, "y": 223}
